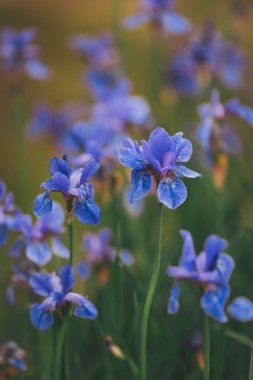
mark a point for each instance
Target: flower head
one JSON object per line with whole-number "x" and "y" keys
{"x": 8, "y": 213}
{"x": 17, "y": 52}
{"x": 76, "y": 188}
{"x": 161, "y": 14}
{"x": 162, "y": 158}
{"x": 211, "y": 268}
{"x": 241, "y": 309}
{"x": 12, "y": 358}
{"x": 57, "y": 292}
{"x": 33, "y": 240}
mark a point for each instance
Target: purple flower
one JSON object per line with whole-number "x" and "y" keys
{"x": 17, "y": 52}
{"x": 215, "y": 133}
{"x": 76, "y": 188}
{"x": 11, "y": 356}
{"x": 8, "y": 213}
{"x": 100, "y": 51}
{"x": 241, "y": 309}
{"x": 162, "y": 158}
{"x": 33, "y": 240}
{"x": 57, "y": 292}
{"x": 211, "y": 268}
{"x": 161, "y": 14}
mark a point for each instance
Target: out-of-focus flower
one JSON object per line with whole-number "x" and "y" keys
{"x": 12, "y": 358}
{"x": 76, "y": 188}
{"x": 161, "y": 14}
{"x": 19, "y": 53}
{"x": 33, "y": 240}
{"x": 215, "y": 132}
{"x": 22, "y": 269}
{"x": 100, "y": 254}
{"x": 162, "y": 158}
{"x": 113, "y": 348}
{"x": 211, "y": 268}
{"x": 100, "y": 51}
{"x": 57, "y": 292}
{"x": 8, "y": 213}
{"x": 206, "y": 55}
{"x": 241, "y": 309}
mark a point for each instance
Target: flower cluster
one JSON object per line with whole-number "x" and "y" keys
{"x": 161, "y": 158}
{"x": 57, "y": 292}
{"x": 19, "y": 53}
{"x": 161, "y": 14}
{"x": 76, "y": 188}
{"x": 211, "y": 268}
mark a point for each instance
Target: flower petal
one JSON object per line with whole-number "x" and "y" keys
{"x": 241, "y": 309}
{"x": 59, "y": 249}
{"x": 173, "y": 304}
{"x": 38, "y": 252}
{"x": 86, "y": 211}
{"x": 213, "y": 302}
{"x": 59, "y": 182}
{"x": 40, "y": 282}
{"x": 42, "y": 205}
{"x": 3, "y": 234}
{"x": 67, "y": 278}
{"x": 184, "y": 150}
{"x": 174, "y": 23}
{"x": 41, "y": 318}
{"x": 188, "y": 256}
{"x": 83, "y": 270}
{"x": 130, "y": 155}
{"x": 172, "y": 193}
{"x": 213, "y": 246}
{"x": 183, "y": 171}
{"x": 59, "y": 165}
{"x": 159, "y": 144}
{"x": 85, "y": 308}
{"x": 37, "y": 70}
{"x": 90, "y": 169}
{"x": 140, "y": 185}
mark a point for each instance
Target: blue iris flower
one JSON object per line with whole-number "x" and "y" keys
{"x": 57, "y": 291}
{"x": 162, "y": 158}
{"x": 33, "y": 240}
{"x": 100, "y": 50}
{"x": 8, "y": 213}
{"x": 76, "y": 188}
{"x": 211, "y": 268}
{"x": 241, "y": 309}
{"x": 161, "y": 14}
{"x": 215, "y": 132}
{"x": 17, "y": 52}
{"x": 11, "y": 356}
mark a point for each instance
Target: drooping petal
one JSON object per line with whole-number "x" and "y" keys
{"x": 59, "y": 249}
{"x": 184, "y": 150}
{"x": 179, "y": 273}
{"x": 140, "y": 185}
{"x": 42, "y": 205}
{"x": 86, "y": 211}
{"x": 188, "y": 256}
{"x": 89, "y": 170}
{"x": 213, "y": 302}
{"x": 204, "y": 132}
{"x": 85, "y": 308}
{"x": 244, "y": 112}
{"x": 126, "y": 258}
{"x": 59, "y": 165}
{"x": 41, "y": 318}
{"x": 172, "y": 192}
{"x": 52, "y": 223}
{"x": 183, "y": 171}
{"x": 40, "y": 282}
{"x": 59, "y": 182}
{"x": 213, "y": 246}
{"x": 241, "y": 309}
{"x": 37, "y": 70}
{"x": 224, "y": 266}
{"x": 174, "y": 23}
{"x": 38, "y": 252}
{"x": 67, "y": 278}
{"x": 173, "y": 304}
{"x": 159, "y": 144}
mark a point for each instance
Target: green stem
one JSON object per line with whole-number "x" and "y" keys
{"x": 71, "y": 241}
{"x": 148, "y": 302}
{"x": 240, "y": 338}
{"x": 251, "y": 366}
{"x": 207, "y": 348}
{"x": 60, "y": 349}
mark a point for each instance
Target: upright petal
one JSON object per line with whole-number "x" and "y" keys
{"x": 42, "y": 205}
{"x": 86, "y": 211}
{"x": 173, "y": 304}
{"x": 241, "y": 309}
{"x": 174, "y": 23}
{"x": 67, "y": 278}
{"x": 59, "y": 165}
{"x": 224, "y": 266}
{"x": 90, "y": 169}
{"x": 213, "y": 246}
{"x": 159, "y": 144}
{"x": 130, "y": 155}
{"x": 188, "y": 256}
{"x": 140, "y": 185}
{"x": 172, "y": 192}
{"x": 40, "y": 282}
{"x": 38, "y": 252}
{"x": 184, "y": 150}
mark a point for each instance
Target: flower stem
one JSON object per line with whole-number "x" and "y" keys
{"x": 207, "y": 348}
{"x": 71, "y": 241}
{"x": 148, "y": 302}
{"x": 251, "y": 366}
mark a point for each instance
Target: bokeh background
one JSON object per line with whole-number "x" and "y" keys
{"x": 227, "y": 212}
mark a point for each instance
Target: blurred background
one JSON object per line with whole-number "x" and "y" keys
{"x": 173, "y": 350}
